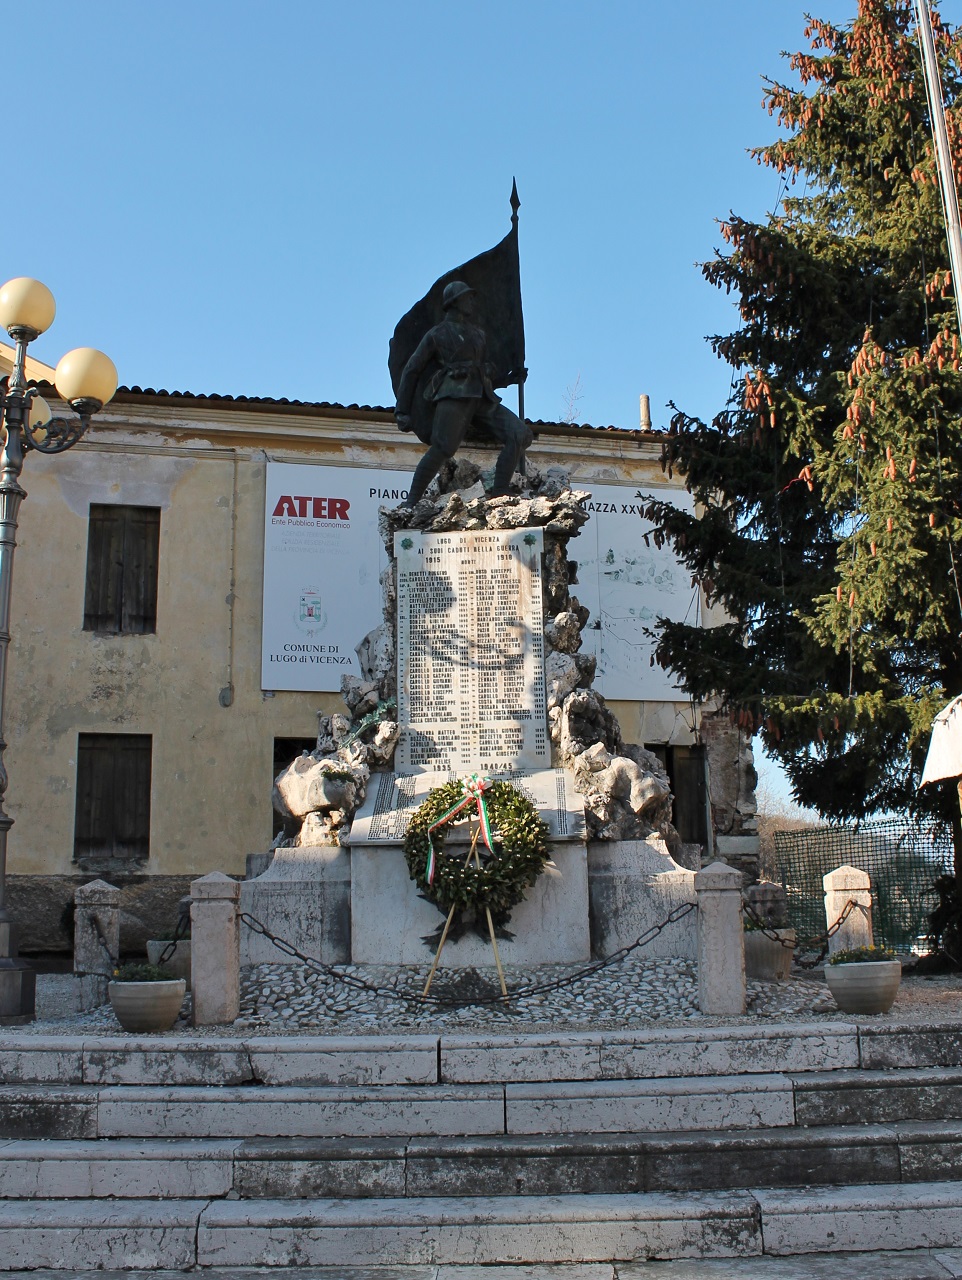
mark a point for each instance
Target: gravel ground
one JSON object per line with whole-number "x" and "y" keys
{"x": 292, "y": 999}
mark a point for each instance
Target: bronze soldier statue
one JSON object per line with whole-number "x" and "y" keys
{"x": 449, "y": 369}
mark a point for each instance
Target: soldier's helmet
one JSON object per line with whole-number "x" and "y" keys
{"x": 456, "y": 289}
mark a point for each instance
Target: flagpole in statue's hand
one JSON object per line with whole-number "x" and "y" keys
{"x": 515, "y": 202}
{"x": 521, "y": 378}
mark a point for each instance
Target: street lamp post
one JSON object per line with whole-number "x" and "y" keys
{"x": 86, "y": 379}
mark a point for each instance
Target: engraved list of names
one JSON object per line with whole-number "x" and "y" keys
{"x": 471, "y": 693}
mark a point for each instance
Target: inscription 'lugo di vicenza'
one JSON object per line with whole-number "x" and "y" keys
{"x": 471, "y": 691}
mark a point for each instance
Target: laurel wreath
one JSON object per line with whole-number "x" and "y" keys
{"x": 520, "y": 851}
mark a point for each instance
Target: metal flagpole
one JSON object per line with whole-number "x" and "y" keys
{"x": 515, "y": 206}
{"x": 943, "y": 158}
{"x": 943, "y": 155}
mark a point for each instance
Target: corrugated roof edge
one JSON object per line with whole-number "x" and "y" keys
{"x": 327, "y": 408}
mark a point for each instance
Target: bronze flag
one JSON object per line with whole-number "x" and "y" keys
{"x": 496, "y": 278}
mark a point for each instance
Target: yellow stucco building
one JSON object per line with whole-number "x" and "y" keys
{"x": 125, "y": 707}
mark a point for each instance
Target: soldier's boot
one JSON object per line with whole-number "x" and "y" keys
{"x": 505, "y": 468}
{"x": 424, "y": 473}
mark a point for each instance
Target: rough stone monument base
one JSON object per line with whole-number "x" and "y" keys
{"x": 389, "y": 918}
{"x": 634, "y": 884}
{"x": 305, "y": 897}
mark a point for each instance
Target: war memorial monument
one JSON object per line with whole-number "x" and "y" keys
{"x": 474, "y": 807}
{"x": 476, "y": 672}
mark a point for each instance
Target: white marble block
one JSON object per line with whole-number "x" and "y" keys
{"x": 304, "y": 896}
{"x": 632, "y": 885}
{"x": 389, "y": 918}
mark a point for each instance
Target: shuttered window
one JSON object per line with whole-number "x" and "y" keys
{"x": 689, "y": 782}
{"x": 687, "y": 774}
{"x": 122, "y": 549}
{"x": 112, "y": 825}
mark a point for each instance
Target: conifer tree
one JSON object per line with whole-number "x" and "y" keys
{"x": 829, "y": 486}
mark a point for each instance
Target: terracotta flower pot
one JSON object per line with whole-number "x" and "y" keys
{"x": 766, "y": 960}
{"x": 147, "y": 1006}
{"x": 864, "y": 986}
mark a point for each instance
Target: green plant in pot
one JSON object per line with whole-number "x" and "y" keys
{"x": 864, "y": 979}
{"x": 144, "y": 997}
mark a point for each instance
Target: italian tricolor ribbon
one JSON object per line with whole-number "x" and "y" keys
{"x": 473, "y": 789}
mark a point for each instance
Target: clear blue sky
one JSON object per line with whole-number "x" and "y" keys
{"x": 243, "y": 198}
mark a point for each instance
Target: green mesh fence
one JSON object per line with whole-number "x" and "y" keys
{"x": 902, "y": 858}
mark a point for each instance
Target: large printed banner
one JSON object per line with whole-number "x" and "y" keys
{"x": 323, "y": 559}
{"x": 627, "y": 586}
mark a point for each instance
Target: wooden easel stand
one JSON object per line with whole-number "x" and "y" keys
{"x": 472, "y": 853}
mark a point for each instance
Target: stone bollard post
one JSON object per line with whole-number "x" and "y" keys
{"x": 100, "y": 902}
{"x": 215, "y": 949}
{"x": 721, "y": 940}
{"x": 842, "y": 885}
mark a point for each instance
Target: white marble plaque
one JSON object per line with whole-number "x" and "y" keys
{"x": 470, "y": 652}
{"x": 392, "y": 798}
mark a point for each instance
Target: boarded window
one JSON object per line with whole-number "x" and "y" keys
{"x": 112, "y": 824}
{"x": 688, "y": 779}
{"x": 689, "y": 782}
{"x": 122, "y": 549}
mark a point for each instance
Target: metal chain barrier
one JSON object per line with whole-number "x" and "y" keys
{"x": 530, "y": 989}
{"x": 104, "y": 946}
{"x": 807, "y": 944}
{"x": 182, "y": 928}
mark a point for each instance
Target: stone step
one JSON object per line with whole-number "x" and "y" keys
{"x": 127, "y": 1235}
{"x": 877, "y": 1097}
{"x": 116, "y": 1168}
{"x": 611, "y": 1106}
{"x": 594, "y": 1106}
{"x": 652, "y": 1053}
{"x": 191, "y": 1060}
{"x": 315, "y": 1168}
{"x": 908, "y": 1264}
{"x": 83, "y": 1111}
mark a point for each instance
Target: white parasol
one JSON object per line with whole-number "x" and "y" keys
{"x": 944, "y": 759}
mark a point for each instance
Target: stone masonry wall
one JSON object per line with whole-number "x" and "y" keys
{"x": 731, "y": 787}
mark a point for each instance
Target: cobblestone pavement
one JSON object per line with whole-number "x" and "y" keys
{"x": 632, "y": 992}
{"x": 291, "y": 999}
